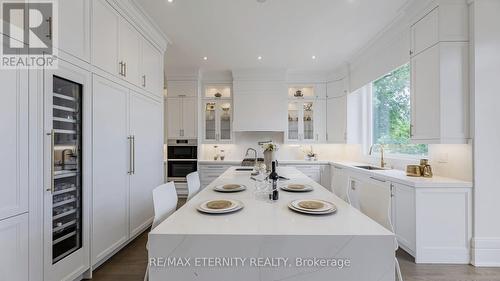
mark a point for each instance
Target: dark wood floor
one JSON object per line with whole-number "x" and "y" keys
{"x": 130, "y": 264}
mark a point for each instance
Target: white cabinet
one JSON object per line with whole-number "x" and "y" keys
{"x": 184, "y": 88}
{"x": 182, "y": 118}
{"x": 339, "y": 182}
{"x": 447, "y": 22}
{"x": 119, "y": 49}
{"x": 217, "y": 121}
{"x": 337, "y": 119}
{"x": 74, "y": 28}
{"x": 129, "y": 46}
{"x": 152, "y": 69}
{"x": 209, "y": 172}
{"x": 355, "y": 181}
{"x": 312, "y": 171}
{"x": 440, "y": 94}
{"x": 128, "y": 164}
{"x": 14, "y": 242}
{"x": 440, "y": 75}
{"x": 111, "y": 162}
{"x": 105, "y": 37}
{"x": 306, "y": 121}
{"x": 146, "y": 128}
{"x": 14, "y": 142}
{"x": 325, "y": 180}
{"x": 403, "y": 216}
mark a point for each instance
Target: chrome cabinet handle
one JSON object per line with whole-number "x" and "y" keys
{"x": 129, "y": 155}
{"x": 144, "y": 81}
{"x": 411, "y": 130}
{"x": 380, "y": 180}
{"x": 52, "y": 162}
{"x": 133, "y": 155}
{"x": 49, "y": 21}
{"x": 124, "y": 69}
{"x": 120, "y": 71}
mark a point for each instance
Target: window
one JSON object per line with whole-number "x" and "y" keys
{"x": 391, "y": 113}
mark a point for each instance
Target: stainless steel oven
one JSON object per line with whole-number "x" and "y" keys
{"x": 182, "y": 159}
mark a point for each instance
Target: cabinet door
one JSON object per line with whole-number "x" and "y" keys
{"x": 425, "y": 100}
{"x": 129, "y": 48}
{"x": 174, "y": 117}
{"x": 152, "y": 69}
{"x": 353, "y": 191}
{"x": 111, "y": 161}
{"x": 189, "y": 118}
{"x": 225, "y": 117}
{"x": 336, "y": 119}
{"x": 320, "y": 121}
{"x": 105, "y": 37}
{"x": 74, "y": 28}
{"x": 308, "y": 132}
{"x": 147, "y": 159}
{"x": 14, "y": 241}
{"x": 14, "y": 142}
{"x": 340, "y": 182}
{"x": 325, "y": 177}
{"x": 210, "y": 121}
{"x": 403, "y": 215}
{"x": 182, "y": 88}
{"x": 425, "y": 33}
{"x": 294, "y": 116}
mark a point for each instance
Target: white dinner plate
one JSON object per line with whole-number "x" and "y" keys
{"x": 230, "y": 187}
{"x": 295, "y": 187}
{"x": 325, "y": 208}
{"x": 234, "y": 206}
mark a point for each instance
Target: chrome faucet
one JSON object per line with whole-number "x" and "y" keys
{"x": 382, "y": 161}
{"x": 254, "y": 152}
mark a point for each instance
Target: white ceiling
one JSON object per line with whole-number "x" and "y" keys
{"x": 286, "y": 33}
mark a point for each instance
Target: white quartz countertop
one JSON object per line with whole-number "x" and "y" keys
{"x": 401, "y": 177}
{"x": 262, "y": 217}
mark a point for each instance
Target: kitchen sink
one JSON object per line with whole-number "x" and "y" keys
{"x": 370, "y": 167}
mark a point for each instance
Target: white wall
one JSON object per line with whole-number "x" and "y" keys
{"x": 485, "y": 19}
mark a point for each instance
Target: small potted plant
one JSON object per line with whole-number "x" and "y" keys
{"x": 270, "y": 149}
{"x": 311, "y": 155}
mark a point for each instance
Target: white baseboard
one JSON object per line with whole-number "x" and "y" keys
{"x": 486, "y": 252}
{"x": 439, "y": 255}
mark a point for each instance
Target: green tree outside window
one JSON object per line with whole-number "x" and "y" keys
{"x": 391, "y": 113}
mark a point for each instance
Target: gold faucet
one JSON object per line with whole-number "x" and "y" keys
{"x": 382, "y": 162}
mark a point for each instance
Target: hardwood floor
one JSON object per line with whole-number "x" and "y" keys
{"x": 130, "y": 265}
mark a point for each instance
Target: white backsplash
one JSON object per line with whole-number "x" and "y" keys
{"x": 447, "y": 160}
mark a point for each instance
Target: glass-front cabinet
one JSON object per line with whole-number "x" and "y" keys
{"x": 304, "y": 112}
{"x": 217, "y": 114}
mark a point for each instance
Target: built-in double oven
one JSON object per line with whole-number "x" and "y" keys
{"x": 182, "y": 159}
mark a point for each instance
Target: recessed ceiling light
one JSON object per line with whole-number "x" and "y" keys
{"x": 205, "y": 58}
{"x": 170, "y": 1}
{"x": 313, "y": 57}
{"x": 259, "y": 57}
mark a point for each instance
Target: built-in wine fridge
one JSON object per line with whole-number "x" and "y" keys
{"x": 66, "y": 182}
{"x": 66, "y": 197}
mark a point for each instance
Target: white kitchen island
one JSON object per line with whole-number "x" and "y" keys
{"x": 267, "y": 241}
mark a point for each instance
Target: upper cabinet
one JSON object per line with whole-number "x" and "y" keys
{"x": 439, "y": 75}
{"x": 217, "y": 114}
{"x": 182, "y": 108}
{"x": 121, "y": 50}
{"x": 448, "y": 22}
{"x": 306, "y": 114}
{"x": 344, "y": 113}
{"x": 74, "y": 28}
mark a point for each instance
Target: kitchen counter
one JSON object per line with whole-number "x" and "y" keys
{"x": 401, "y": 177}
{"x": 270, "y": 230}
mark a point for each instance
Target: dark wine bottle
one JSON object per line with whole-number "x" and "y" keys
{"x": 273, "y": 177}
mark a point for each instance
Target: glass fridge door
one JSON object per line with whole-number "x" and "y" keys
{"x": 66, "y": 178}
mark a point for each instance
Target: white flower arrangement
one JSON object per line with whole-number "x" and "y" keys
{"x": 270, "y": 146}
